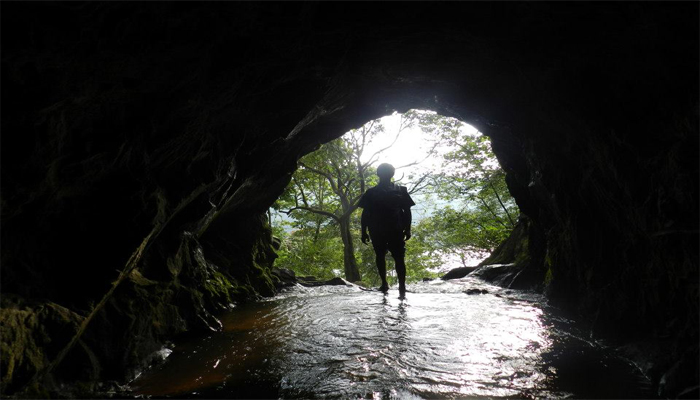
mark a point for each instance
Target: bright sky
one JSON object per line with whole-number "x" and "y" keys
{"x": 412, "y": 145}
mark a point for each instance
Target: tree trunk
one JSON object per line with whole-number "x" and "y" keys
{"x": 352, "y": 273}
{"x": 317, "y": 231}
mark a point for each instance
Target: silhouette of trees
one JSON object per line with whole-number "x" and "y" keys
{"x": 331, "y": 180}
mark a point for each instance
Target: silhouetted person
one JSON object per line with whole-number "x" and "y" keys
{"x": 386, "y": 215}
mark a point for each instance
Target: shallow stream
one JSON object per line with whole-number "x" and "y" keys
{"x": 437, "y": 342}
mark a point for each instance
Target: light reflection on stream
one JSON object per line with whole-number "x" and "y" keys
{"x": 438, "y": 342}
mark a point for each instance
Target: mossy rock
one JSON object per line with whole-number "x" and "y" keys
{"x": 31, "y": 336}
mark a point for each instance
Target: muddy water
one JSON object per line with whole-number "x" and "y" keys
{"x": 437, "y": 342}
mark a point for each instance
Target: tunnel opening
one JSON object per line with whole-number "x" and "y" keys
{"x": 463, "y": 209}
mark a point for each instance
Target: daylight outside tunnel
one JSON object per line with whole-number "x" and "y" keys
{"x": 143, "y": 145}
{"x": 463, "y": 209}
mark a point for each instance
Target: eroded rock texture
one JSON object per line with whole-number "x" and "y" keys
{"x": 175, "y": 125}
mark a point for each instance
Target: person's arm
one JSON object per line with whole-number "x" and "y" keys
{"x": 406, "y": 215}
{"x": 364, "y": 203}
{"x": 407, "y": 219}
{"x": 364, "y": 220}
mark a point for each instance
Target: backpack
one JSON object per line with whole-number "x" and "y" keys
{"x": 391, "y": 198}
{"x": 389, "y": 204}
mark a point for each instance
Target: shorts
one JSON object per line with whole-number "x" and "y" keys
{"x": 391, "y": 241}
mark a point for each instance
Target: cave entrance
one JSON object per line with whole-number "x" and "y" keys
{"x": 463, "y": 207}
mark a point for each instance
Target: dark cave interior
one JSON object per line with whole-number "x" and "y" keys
{"x": 174, "y": 126}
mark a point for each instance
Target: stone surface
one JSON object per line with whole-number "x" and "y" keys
{"x": 311, "y": 281}
{"x": 187, "y": 119}
{"x": 524, "y": 251}
{"x": 499, "y": 274}
{"x": 456, "y": 273}
{"x": 286, "y": 277}
{"x": 31, "y": 335}
{"x": 337, "y": 282}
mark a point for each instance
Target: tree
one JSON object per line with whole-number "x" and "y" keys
{"x": 331, "y": 180}
{"x": 475, "y": 174}
{"x": 322, "y": 197}
{"x": 483, "y": 212}
{"x": 307, "y": 250}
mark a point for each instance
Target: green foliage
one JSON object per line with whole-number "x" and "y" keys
{"x": 321, "y": 258}
{"x": 484, "y": 212}
{"x": 321, "y": 198}
{"x": 422, "y": 255}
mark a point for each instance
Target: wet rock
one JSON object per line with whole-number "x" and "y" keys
{"x": 523, "y": 250}
{"x": 286, "y": 277}
{"x": 337, "y": 282}
{"x": 457, "y": 273}
{"x": 674, "y": 381}
{"x": 692, "y": 392}
{"x": 476, "y": 291}
{"x": 498, "y": 274}
{"x": 311, "y": 281}
{"x": 31, "y": 336}
{"x": 112, "y": 389}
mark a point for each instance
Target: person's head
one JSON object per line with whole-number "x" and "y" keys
{"x": 385, "y": 171}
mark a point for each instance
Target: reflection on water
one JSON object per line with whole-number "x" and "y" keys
{"x": 437, "y": 342}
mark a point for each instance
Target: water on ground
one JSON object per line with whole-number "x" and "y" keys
{"x": 437, "y": 342}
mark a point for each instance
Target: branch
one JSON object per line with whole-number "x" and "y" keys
{"x": 301, "y": 191}
{"x": 416, "y": 185}
{"x": 350, "y": 210}
{"x": 366, "y": 129}
{"x": 356, "y": 199}
{"x": 347, "y": 185}
{"x": 321, "y": 193}
{"x": 328, "y": 176}
{"x": 313, "y": 210}
{"x": 474, "y": 221}
{"x": 430, "y": 153}
{"x": 361, "y": 174}
{"x": 501, "y": 203}
{"x": 339, "y": 177}
{"x": 372, "y": 159}
{"x": 495, "y": 216}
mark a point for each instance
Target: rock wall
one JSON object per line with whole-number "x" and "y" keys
{"x": 173, "y": 126}
{"x": 521, "y": 259}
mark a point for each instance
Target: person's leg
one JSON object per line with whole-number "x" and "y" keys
{"x": 380, "y": 249}
{"x": 398, "y": 251}
{"x": 381, "y": 268}
{"x": 400, "y": 266}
